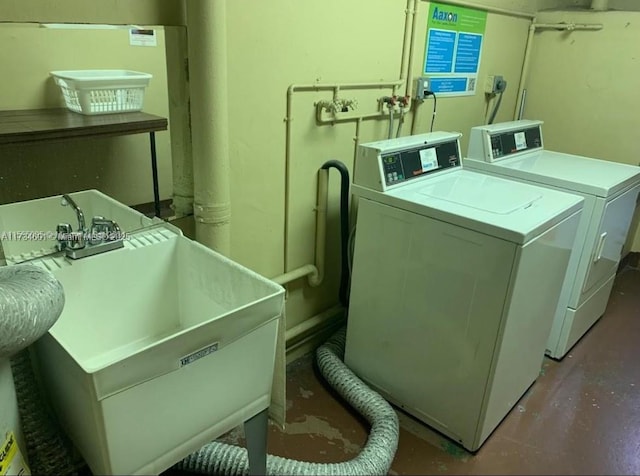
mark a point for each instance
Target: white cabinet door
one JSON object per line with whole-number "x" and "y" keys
{"x": 610, "y": 238}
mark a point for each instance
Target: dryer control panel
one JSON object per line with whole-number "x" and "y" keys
{"x": 498, "y": 141}
{"x": 389, "y": 163}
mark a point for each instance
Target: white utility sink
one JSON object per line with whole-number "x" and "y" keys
{"x": 162, "y": 346}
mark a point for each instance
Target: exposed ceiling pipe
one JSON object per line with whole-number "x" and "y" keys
{"x": 207, "y": 44}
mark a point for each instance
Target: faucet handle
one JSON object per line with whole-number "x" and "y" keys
{"x": 103, "y": 229}
{"x": 63, "y": 234}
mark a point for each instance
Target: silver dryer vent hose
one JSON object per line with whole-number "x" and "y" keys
{"x": 375, "y": 458}
{"x": 31, "y": 300}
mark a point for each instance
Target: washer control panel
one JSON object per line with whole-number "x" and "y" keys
{"x": 390, "y": 163}
{"x": 403, "y": 165}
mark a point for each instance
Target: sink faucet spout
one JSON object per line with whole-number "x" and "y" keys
{"x": 67, "y": 200}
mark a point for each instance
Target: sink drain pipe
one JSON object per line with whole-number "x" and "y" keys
{"x": 379, "y": 450}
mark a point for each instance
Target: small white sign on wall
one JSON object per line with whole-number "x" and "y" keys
{"x": 142, "y": 37}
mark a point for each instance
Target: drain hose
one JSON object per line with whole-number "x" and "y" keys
{"x": 31, "y": 300}
{"x": 375, "y": 458}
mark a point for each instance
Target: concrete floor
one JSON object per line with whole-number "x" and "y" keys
{"x": 582, "y": 416}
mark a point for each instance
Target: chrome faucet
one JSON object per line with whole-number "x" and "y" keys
{"x": 67, "y": 200}
{"x": 104, "y": 235}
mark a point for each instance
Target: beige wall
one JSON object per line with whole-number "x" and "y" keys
{"x": 584, "y": 86}
{"x": 331, "y": 41}
{"x": 118, "y": 166}
{"x": 271, "y": 46}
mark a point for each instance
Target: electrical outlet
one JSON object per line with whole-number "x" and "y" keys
{"x": 422, "y": 86}
{"x": 494, "y": 84}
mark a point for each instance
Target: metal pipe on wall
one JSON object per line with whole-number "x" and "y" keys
{"x": 486, "y": 8}
{"x": 519, "y": 109}
{"x": 207, "y": 44}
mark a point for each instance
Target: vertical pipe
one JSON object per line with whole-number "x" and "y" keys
{"x": 207, "y": 45}
{"x": 321, "y": 226}
{"x": 409, "y": 78}
{"x": 180, "y": 130}
{"x": 523, "y": 101}
{"x": 525, "y": 67}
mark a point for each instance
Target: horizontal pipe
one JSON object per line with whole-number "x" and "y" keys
{"x": 569, "y": 26}
{"x": 359, "y": 117}
{"x": 329, "y": 86}
{"x": 503, "y": 11}
{"x": 331, "y": 315}
{"x": 301, "y": 272}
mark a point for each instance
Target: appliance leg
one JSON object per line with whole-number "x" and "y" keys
{"x": 255, "y": 432}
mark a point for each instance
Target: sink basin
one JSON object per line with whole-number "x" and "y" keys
{"x": 20, "y": 220}
{"x": 162, "y": 346}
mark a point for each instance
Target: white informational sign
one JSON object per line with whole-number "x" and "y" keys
{"x": 521, "y": 140}
{"x": 429, "y": 159}
{"x": 139, "y": 37}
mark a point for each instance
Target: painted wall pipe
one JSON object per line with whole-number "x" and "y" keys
{"x": 331, "y": 315}
{"x": 527, "y": 52}
{"x": 314, "y": 272}
{"x": 525, "y": 68}
{"x": 321, "y": 225}
{"x": 180, "y": 130}
{"x": 207, "y": 44}
{"x": 503, "y": 11}
{"x": 301, "y": 272}
{"x": 568, "y": 26}
{"x": 405, "y": 78}
{"x": 412, "y": 9}
{"x": 335, "y": 87}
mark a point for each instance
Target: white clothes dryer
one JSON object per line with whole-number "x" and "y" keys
{"x": 515, "y": 150}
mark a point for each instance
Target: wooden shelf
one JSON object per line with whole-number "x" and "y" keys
{"x": 38, "y": 125}
{"x": 48, "y": 125}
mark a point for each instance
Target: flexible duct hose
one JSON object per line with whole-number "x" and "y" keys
{"x": 31, "y": 300}
{"x": 375, "y": 458}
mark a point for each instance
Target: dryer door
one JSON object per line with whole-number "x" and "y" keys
{"x": 610, "y": 238}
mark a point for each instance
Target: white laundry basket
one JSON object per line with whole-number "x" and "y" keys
{"x": 104, "y": 91}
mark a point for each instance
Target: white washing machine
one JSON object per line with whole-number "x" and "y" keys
{"x": 456, "y": 278}
{"x": 515, "y": 150}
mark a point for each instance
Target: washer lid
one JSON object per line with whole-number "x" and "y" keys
{"x": 510, "y": 210}
{"x": 571, "y": 172}
{"x": 483, "y": 193}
